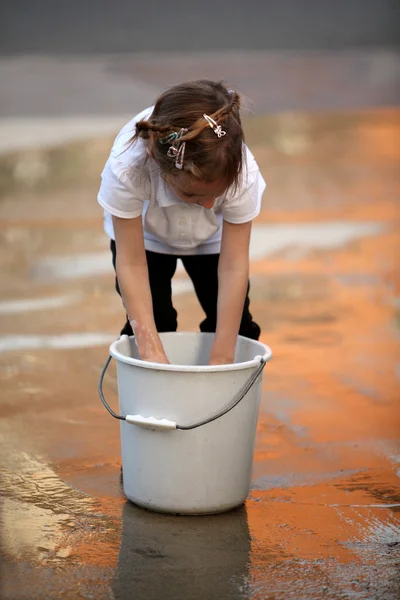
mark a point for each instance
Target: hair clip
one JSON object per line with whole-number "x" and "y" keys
{"x": 169, "y": 139}
{"x": 172, "y": 152}
{"x": 217, "y": 129}
{"x": 177, "y": 149}
{"x": 180, "y": 156}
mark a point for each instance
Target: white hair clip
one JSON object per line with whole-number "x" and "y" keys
{"x": 177, "y": 149}
{"x": 217, "y": 129}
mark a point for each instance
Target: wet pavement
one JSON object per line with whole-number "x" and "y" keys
{"x": 321, "y": 519}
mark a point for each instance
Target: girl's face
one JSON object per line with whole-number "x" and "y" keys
{"x": 194, "y": 191}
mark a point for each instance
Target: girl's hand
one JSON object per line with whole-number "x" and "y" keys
{"x": 148, "y": 343}
{"x": 133, "y": 278}
{"x": 160, "y": 358}
{"x": 220, "y": 359}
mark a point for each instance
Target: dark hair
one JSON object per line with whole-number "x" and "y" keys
{"x": 207, "y": 156}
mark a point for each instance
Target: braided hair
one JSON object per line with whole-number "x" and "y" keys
{"x": 179, "y": 111}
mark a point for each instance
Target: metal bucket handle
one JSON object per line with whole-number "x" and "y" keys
{"x": 165, "y": 424}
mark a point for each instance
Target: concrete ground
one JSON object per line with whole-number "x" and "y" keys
{"x": 321, "y": 518}
{"x": 47, "y": 99}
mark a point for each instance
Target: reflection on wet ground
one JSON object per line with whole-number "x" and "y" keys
{"x": 321, "y": 520}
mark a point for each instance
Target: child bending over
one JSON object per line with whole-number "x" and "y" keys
{"x": 181, "y": 183}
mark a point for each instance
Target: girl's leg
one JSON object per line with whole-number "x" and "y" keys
{"x": 161, "y": 270}
{"x": 203, "y": 271}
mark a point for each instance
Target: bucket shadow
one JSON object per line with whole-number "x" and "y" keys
{"x": 178, "y": 557}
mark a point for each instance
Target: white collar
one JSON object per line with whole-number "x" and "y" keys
{"x": 166, "y": 196}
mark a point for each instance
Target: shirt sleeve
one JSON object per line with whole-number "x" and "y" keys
{"x": 118, "y": 195}
{"x": 244, "y": 204}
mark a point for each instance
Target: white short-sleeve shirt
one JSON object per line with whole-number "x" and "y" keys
{"x": 132, "y": 185}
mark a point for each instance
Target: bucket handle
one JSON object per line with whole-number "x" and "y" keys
{"x": 165, "y": 424}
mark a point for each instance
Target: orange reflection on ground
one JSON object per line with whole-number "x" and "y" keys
{"x": 327, "y": 452}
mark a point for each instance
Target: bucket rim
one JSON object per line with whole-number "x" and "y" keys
{"x": 266, "y": 356}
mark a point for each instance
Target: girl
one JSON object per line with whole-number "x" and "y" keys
{"x": 181, "y": 183}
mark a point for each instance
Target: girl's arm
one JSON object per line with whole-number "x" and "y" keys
{"x": 233, "y": 277}
{"x": 133, "y": 278}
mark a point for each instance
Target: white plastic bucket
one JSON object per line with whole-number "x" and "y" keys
{"x": 187, "y": 442}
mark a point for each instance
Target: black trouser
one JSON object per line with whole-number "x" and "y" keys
{"x": 203, "y": 271}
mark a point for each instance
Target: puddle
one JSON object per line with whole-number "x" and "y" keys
{"x": 40, "y": 539}
{"x": 182, "y": 286}
{"x": 319, "y": 541}
{"x": 11, "y": 343}
{"x": 266, "y": 240}
{"x": 74, "y": 266}
{"x": 31, "y": 304}
{"x": 291, "y": 480}
{"x": 162, "y": 555}
{"x": 45, "y": 521}
{"x": 305, "y": 237}
{"x": 32, "y": 492}
{"x": 320, "y": 522}
{"x": 359, "y": 279}
{"x": 94, "y": 264}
